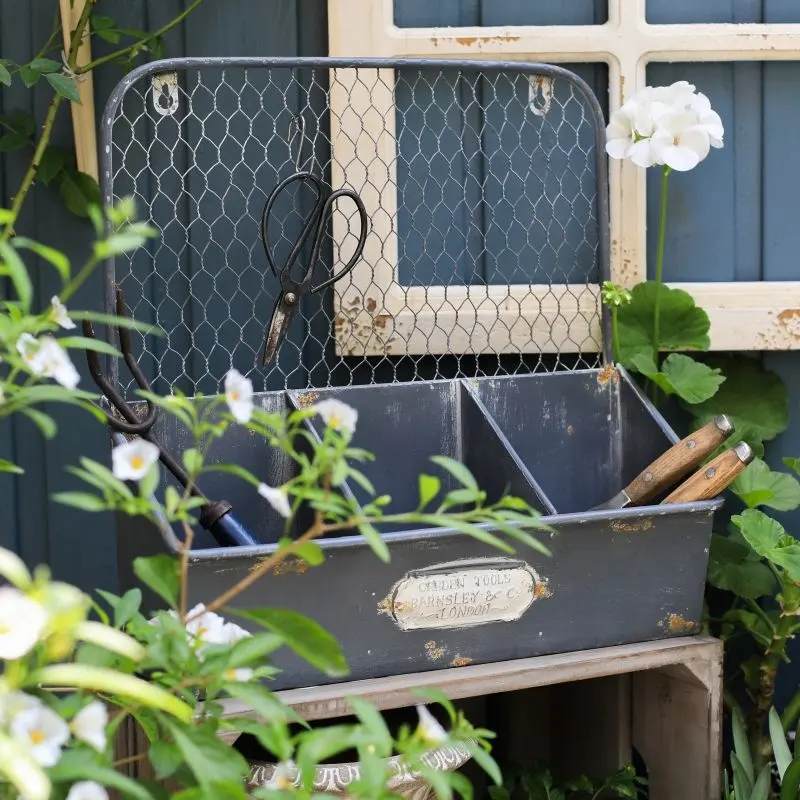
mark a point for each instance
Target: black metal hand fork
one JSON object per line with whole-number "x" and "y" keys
{"x": 215, "y": 515}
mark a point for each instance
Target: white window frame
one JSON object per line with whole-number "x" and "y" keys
{"x": 758, "y": 315}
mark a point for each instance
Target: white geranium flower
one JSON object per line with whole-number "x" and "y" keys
{"x": 87, "y": 790}
{"x": 131, "y": 461}
{"x": 22, "y": 622}
{"x": 277, "y": 498}
{"x": 13, "y": 703}
{"x": 676, "y": 95}
{"x": 42, "y": 732}
{"x": 429, "y": 728}
{"x": 240, "y": 674}
{"x": 708, "y": 119}
{"x": 337, "y": 415}
{"x": 239, "y": 395}
{"x": 679, "y": 142}
{"x": 51, "y": 361}
{"x": 89, "y": 725}
{"x": 59, "y": 315}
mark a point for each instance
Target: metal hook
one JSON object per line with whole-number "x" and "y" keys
{"x": 298, "y": 121}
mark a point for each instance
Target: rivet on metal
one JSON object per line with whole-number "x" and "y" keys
{"x": 290, "y": 298}
{"x": 647, "y": 477}
{"x": 165, "y": 93}
{"x": 691, "y": 444}
{"x": 711, "y": 472}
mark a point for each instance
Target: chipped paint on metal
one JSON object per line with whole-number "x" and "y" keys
{"x": 307, "y": 399}
{"x": 461, "y": 661}
{"x": 463, "y": 594}
{"x": 629, "y": 525}
{"x": 434, "y": 652}
{"x": 677, "y": 624}
{"x": 608, "y": 374}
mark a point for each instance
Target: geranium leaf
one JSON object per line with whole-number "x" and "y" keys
{"x": 769, "y": 539}
{"x": 758, "y": 485}
{"x": 683, "y": 325}
{"x": 731, "y": 567}
{"x": 692, "y": 381}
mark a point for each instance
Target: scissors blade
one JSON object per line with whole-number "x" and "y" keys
{"x": 282, "y": 315}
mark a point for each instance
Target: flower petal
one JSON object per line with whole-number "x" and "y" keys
{"x": 681, "y": 159}
{"x": 277, "y": 498}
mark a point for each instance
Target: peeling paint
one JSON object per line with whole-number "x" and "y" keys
{"x": 607, "y": 374}
{"x": 460, "y": 661}
{"x": 631, "y": 525}
{"x": 371, "y": 304}
{"x": 434, "y": 652}
{"x": 288, "y": 566}
{"x": 675, "y": 623}
{"x": 468, "y": 41}
{"x": 305, "y": 400}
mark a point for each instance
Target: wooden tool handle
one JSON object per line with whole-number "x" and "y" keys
{"x": 679, "y": 460}
{"x": 714, "y": 477}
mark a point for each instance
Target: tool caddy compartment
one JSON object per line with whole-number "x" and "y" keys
{"x": 470, "y": 326}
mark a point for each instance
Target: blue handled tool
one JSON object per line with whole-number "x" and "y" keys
{"x": 314, "y": 230}
{"x": 215, "y": 516}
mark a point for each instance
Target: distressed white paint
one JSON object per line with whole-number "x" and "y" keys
{"x": 463, "y": 594}
{"x": 744, "y": 316}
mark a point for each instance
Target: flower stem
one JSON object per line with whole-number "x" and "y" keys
{"x": 615, "y": 331}
{"x": 662, "y": 231}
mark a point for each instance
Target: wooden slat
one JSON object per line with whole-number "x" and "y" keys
{"x": 325, "y": 702}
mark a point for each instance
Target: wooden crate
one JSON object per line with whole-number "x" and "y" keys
{"x": 585, "y": 712}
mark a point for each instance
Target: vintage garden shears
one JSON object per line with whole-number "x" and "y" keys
{"x": 313, "y": 233}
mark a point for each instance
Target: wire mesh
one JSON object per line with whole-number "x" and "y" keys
{"x": 486, "y": 194}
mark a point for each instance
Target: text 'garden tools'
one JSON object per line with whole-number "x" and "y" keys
{"x": 671, "y": 466}
{"x": 316, "y": 225}
{"x": 216, "y": 516}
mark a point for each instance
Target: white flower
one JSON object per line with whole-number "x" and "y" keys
{"x": 13, "y": 703}
{"x": 131, "y": 461}
{"x": 205, "y": 627}
{"x": 87, "y": 790}
{"x": 277, "y": 498}
{"x": 679, "y": 142}
{"x": 232, "y": 633}
{"x": 283, "y": 777}
{"x": 676, "y": 95}
{"x": 48, "y": 358}
{"x": 22, "y": 622}
{"x": 43, "y": 733}
{"x": 239, "y": 394}
{"x": 59, "y": 315}
{"x": 337, "y": 415}
{"x": 429, "y": 728}
{"x": 28, "y": 347}
{"x": 89, "y": 725}
{"x": 241, "y": 674}
{"x": 708, "y": 119}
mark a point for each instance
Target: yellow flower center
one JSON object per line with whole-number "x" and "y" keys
{"x": 202, "y": 630}
{"x": 230, "y": 674}
{"x": 37, "y": 736}
{"x": 335, "y": 421}
{"x": 282, "y": 782}
{"x": 137, "y": 462}
{"x": 233, "y": 395}
{"x": 4, "y": 629}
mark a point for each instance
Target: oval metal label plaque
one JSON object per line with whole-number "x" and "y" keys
{"x": 461, "y": 594}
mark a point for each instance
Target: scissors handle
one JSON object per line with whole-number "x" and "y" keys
{"x": 325, "y": 216}
{"x": 310, "y": 226}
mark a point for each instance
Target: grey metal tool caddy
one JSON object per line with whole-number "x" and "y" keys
{"x": 472, "y": 327}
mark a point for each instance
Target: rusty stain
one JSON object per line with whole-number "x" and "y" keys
{"x": 675, "y": 623}
{"x": 466, "y": 41}
{"x": 632, "y": 525}
{"x": 790, "y": 319}
{"x": 570, "y": 430}
{"x": 460, "y": 661}
{"x": 356, "y": 301}
{"x": 381, "y": 320}
{"x": 541, "y": 591}
{"x": 386, "y": 606}
{"x": 305, "y": 400}
{"x": 607, "y": 374}
{"x": 371, "y": 304}
{"x": 433, "y": 651}
{"x": 290, "y": 565}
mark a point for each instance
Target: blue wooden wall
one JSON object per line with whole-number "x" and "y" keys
{"x": 734, "y": 218}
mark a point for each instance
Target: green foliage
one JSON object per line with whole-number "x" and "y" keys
{"x": 758, "y": 486}
{"x": 680, "y": 375}
{"x": 538, "y": 783}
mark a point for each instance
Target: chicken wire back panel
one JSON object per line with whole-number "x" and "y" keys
{"x": 485, "y": 188}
